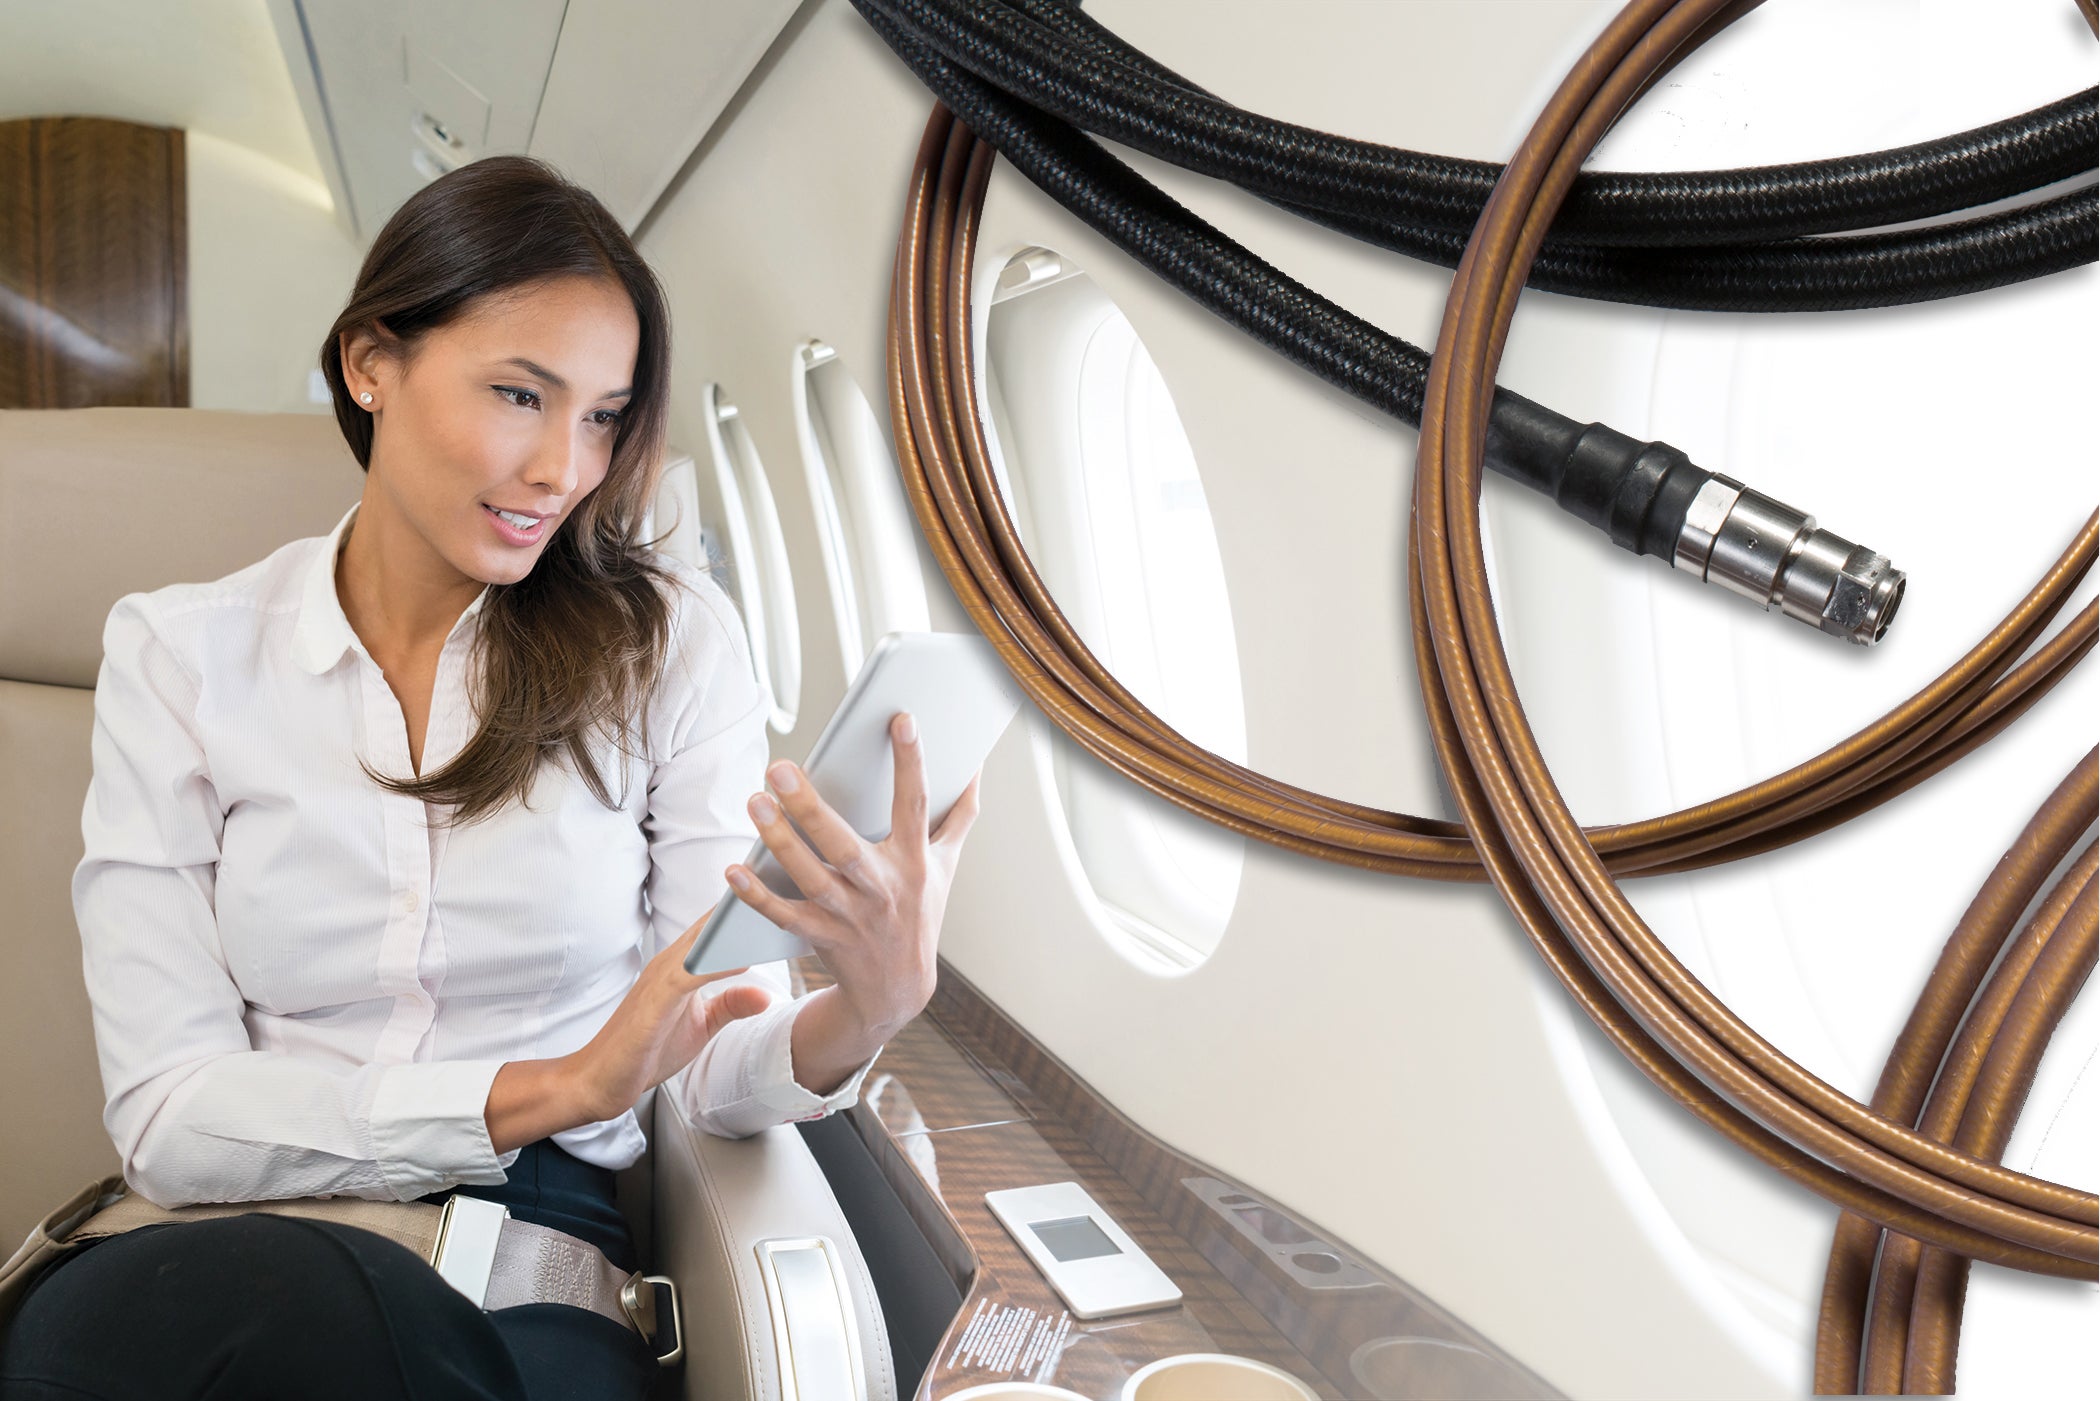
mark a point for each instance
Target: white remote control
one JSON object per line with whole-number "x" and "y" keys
{"x": 1096, "y": 1268}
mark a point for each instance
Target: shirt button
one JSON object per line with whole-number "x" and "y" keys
{"x": 408, "y": 901}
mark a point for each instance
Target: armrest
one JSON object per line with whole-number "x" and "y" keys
{"x": 773, "y": 1285}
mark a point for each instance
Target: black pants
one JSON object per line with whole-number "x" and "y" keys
{"x": 270, "y": 1307}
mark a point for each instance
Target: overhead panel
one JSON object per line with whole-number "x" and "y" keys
{"x": 636, "y": 84}
{"x": 616, "y": 94}
{"x": 409, "y": 91}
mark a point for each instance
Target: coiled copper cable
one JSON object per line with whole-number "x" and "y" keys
{"x": 1903, "y": 1338}
{"x": 1915, "y": 1321}
{"x": 1922, "y": 1045}
{"x": 949, "y": 480}
{"x": 1940, "y": 1280}
{"x": 1552, "y": 876}
{"x": 1555, "y": 876}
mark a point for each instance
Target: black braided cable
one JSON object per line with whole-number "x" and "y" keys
{"x": 1056, "y": 58}
{"x": 1639, "y": 493}
{"x": 1819, "y": 274}
{"x": 1304, "y": 327}
{"x": 1804, "y": 274}
{"x": 1389, "y": 373}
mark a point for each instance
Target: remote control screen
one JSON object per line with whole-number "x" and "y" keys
{"x": 1074, "y": 1238}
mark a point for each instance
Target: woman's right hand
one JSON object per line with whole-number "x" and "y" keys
{"x": 656, "y": 1030}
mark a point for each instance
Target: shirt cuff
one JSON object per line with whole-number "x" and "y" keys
{"x": 743, "y": 1080}
{"x": 779, "y": 1090}
{"x": 430, "y": 1127}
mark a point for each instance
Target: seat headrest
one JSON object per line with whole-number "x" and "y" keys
{"x": 99, "y": 503}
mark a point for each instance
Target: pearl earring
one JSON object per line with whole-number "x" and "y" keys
{"x": 365, "y": 398}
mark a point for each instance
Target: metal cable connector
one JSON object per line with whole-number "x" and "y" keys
{"x": 1771, "y": 554}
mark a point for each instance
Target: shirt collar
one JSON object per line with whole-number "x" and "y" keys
{"x": 323, "y": 632}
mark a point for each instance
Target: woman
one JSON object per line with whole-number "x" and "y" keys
{"x": 397, "y": 841}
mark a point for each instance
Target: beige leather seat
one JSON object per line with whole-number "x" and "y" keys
{"x": 97, "y": 503}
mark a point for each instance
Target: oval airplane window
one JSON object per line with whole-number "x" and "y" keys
{"x": 740, "y": 530}
{"x": 1104, "y": 488}
{"x": 863, "y": 521}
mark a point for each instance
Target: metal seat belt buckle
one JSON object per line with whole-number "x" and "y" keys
{"x": 464, "y": 1253}
{"x": 638, "y": 1298}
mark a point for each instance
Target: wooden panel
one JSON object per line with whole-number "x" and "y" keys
{"x": 924, "y": 1084}
{"x": 94, "y": 266}
{"x": 17, "y": 262}
{"x": 1092, "y": 1358}
{"x": 1370, "y": 1333}
{"x": 1257, "y": 1280}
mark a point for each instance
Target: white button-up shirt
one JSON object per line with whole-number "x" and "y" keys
{"x": 302, "y": 983}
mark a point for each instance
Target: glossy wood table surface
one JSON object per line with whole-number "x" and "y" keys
{"x": 963, "y": 1103}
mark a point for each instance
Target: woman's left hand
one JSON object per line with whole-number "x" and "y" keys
{"x": 873, "y": 913}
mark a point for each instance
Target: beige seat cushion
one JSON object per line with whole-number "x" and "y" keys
{"x": 51, "y": 1088}
{"x": 95, "y": 504}
{"x": 98, "y": 503}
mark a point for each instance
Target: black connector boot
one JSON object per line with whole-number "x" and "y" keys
{"x": 1652, "y": 499}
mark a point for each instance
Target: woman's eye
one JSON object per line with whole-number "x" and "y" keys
{"x": 523, "y": 398}
{"x": 606, "y": 418}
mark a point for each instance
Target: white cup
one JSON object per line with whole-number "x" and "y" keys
{"x": 1214, "y": 1376}
{"x": 1012, "y": 1391}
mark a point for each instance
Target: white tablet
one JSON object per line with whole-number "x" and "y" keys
{"x": 963, "y": 698}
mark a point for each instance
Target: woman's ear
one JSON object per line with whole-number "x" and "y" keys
{"x": 368, "y": 364}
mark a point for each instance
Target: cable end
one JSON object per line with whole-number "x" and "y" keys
{"x": 1774, "y": 555}
{"x": 1864, "y": 597}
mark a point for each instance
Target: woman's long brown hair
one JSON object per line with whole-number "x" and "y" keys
{"x": 566, "y": 656}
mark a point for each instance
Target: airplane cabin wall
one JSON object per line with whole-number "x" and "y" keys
{"x": 1385, "y": 1057}
{"x": 1388, "y": 1058}
{"x": 270, "y": 268}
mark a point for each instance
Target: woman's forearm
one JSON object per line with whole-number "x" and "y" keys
{"x": 530, "y": 1099}
{"x": 829, "y": 1043}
